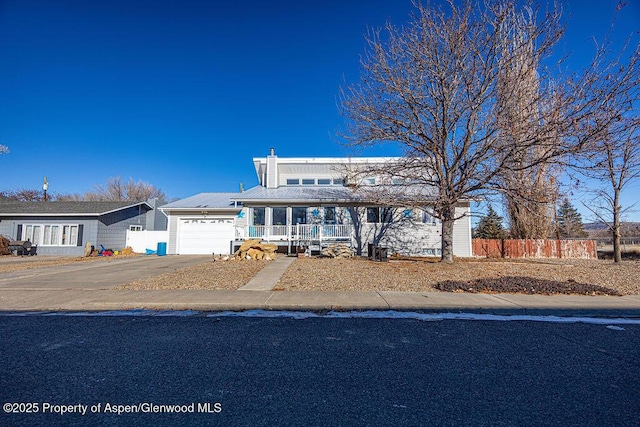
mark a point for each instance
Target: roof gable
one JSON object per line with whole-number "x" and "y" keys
{"x": 66, "y": 208}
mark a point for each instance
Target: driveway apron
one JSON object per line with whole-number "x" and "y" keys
{"x": 96, "y": 275}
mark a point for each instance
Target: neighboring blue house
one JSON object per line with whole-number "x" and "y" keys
{"x": 64, "y": 228}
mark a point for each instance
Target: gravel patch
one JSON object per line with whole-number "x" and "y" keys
{"x": 524, "y": 285}
{"x": 357, "y": 274}
{"x": 219, "y": 275}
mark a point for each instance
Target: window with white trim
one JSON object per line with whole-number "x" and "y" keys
{"x": 378, "y": 215}
{"x": 51, "y": 234}
{"x": 258, "y": 216}
{"x": 135, "y": 227}
{"x": 427, "y": 218}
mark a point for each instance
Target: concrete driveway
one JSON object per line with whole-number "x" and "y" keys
{"x": 98, "y": 275}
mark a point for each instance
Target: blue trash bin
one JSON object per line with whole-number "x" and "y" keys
{"x": 162, "y": 248}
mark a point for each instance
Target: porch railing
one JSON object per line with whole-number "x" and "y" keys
{"x": 297, "y": 232}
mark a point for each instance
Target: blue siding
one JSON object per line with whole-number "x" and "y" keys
{"x": 112, "y": 228}
{"x": 9, "y": 228}
{"x": 109, "y": 230}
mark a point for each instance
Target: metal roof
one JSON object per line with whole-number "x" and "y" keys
{"x": 67, "y": 208}
{"x": 338, "y": 194}
{"x": 203, "y": 201}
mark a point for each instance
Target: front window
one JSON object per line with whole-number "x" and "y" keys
{"x": 330, "y": 215}
{"x": 427, "y": 218}
{"x": 135, "y": 227}
{"x": 299, "y": 215}
{"x": 386, "y": 214}
{"x": 51, "y": 234}
{"x": 373, "y": 215}
{"x": 324, "y": 181}
{"x": 308, "y": 181}
{"x": 258, "y": 216}
{"x": 369, "y": 181}
{"x": 279, "y": 216}
{"x": 293, "y": 181}
{"x": 69, "y": 235}
{"x": 379, "y": 215}
{"x": 32, "y": 234}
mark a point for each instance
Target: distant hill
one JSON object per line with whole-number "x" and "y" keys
{"x": 598, "y": 229}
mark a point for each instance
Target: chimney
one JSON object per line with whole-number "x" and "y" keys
{"x": 272, "y": 169}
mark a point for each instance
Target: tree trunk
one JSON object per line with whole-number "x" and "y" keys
{"x": 617, "y": 251}
{"x": 447, "y": 235}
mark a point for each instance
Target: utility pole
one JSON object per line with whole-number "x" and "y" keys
{"x": 45, "y": 187}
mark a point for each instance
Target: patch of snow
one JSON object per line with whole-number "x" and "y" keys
{"x": 425, "y": 317}
{"x": 371, "y": 314}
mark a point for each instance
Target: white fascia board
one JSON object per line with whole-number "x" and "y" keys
{"x": 324, "y": 160}
{"x": 50, "y": 214}
{"x": 127, "y": 207}
{"x": 177, "y": 211}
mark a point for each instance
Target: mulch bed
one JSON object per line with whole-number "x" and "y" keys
{"x": 524, "y": 285}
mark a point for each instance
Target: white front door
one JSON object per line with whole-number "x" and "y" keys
{"x": 205, "y": 235}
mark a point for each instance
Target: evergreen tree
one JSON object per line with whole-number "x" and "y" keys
{"x": 490, "y": 226}
{"x": 570, "y": 221}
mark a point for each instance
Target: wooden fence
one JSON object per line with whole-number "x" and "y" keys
{"x": 534, "y": 248}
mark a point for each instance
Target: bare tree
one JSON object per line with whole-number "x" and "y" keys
{"x": 528, "y": 190}
{"x": 23, "y": 195}
{"x": 117, "y": 190}
{"x": 614, "y": 162}
{"x": 436, "y": 88}
{"x": 432, "y": 88}
{"x": 612, "y": 157}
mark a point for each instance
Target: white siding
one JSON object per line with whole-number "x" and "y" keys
{"x": 462, "y": 232}
{"x": 172, "y": 228}
{"x": 409, "y": 236}
{"x": 272, "y": 172}
{"x": 140, "y": 241}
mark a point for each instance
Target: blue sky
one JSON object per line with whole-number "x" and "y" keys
{"x": 182, "y": 94}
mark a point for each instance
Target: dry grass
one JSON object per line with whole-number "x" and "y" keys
{"x": 364, "y": 275}
{"x": 11, "y": 263}
{"x": 358, "y": 274}
{"x": 220, "y": 275}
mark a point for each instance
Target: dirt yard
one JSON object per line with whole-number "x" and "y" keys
{"x": 358, "y": 274}
{"x": 9, "y": 263}
{"x": 219, "y": 275}
{"x": 548, "y": 276}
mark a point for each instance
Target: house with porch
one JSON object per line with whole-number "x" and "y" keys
{"x": 310, "y": 203}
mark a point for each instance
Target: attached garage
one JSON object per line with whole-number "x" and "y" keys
{"x": 203, "y": 224}
{"x": 205, "y": 235}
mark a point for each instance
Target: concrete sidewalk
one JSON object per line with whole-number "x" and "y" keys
{"x": 267, "y": 278}
{"x": 67, "y": 288}
{"x": 99, "y": 300}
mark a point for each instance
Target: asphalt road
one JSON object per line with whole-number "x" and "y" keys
{"x": 274, "y": 371}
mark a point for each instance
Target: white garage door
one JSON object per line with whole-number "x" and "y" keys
{"x": 205, "y": 235}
